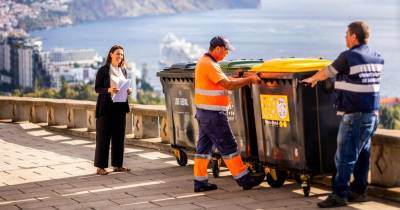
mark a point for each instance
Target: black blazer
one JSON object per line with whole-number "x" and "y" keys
{"x": 104, "y": 100}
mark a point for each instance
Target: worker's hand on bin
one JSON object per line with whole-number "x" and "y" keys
{"x": 254, "y": 78}
{"x": 113, "y": 90}
{"x": 237, "y": 74}
{"x": 319, "y": 76}
{"x": 310, "y": 81}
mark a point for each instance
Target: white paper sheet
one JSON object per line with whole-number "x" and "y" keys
{"x": 122, "y": 94}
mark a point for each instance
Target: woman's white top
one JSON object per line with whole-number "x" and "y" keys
{"x": 116, "y": 77}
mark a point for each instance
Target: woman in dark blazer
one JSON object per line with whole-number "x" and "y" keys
{"x": 110, "y": 116}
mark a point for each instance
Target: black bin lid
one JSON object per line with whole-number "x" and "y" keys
{"x": 178, "y": 70}
{"x": 177, "y": 67}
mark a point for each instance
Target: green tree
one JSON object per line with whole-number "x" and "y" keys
{"x": 390, "y": 117}
{"x": 17, "y": 92}
{"x": 49, "y": 93}
{"x": 86, "y": 92}
{"x": 149, "y": 97}
{"x": 146, "y": 86}
{"x": 64, "y": 88}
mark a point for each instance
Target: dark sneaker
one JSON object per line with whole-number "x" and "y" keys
{"x": 205, "y": 187}
{"x": 332, "y": 201}
{"x": 254, "y": 180}
{"x": 355, "y": 197}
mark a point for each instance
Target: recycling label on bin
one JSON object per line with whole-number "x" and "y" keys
{"x": 275, "y": 110}
{"x": 180, "y": 100}
{"x": 231, "y": 108}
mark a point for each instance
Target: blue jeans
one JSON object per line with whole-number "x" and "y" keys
{"x": 353, "y": 152}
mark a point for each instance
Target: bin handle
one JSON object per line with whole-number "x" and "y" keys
{"x": 327, "y": 85}
{"x": 305, "y": 84}
{"x": 259, "y": 76}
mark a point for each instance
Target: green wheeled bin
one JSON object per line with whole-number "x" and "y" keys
{"x": 241, "y": 114}
{"x": 178, "y": 86}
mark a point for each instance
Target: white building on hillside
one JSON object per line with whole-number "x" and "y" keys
{"x": 25, "y": 67}
{"x": 73, "y": 56}
{"x": 5, "y": 64}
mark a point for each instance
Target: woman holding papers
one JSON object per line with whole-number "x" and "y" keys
{"x": 111, "y": 108}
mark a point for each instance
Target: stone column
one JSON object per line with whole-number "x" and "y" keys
{"x": 385, "y": 164}
{"x": 39, "y": 112}
{"x": 6, "y": 109}
{"x": 76, "y": 117}
{"x": 129, "y": 123}
{"x": 22, "y": 111}
{"x": 57, "y": 114}
{"x": 146, "y": 126}
{"x": 91, "y": 120}
{"x": 164, "y": 134}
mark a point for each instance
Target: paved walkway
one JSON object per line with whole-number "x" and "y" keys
{"x": 44, "y": 170}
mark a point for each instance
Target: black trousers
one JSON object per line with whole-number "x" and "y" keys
{"x": 110, "y": 127}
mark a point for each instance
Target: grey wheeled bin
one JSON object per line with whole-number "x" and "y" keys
{"x": 178, "y": 86}
{"x": 241, "y": 115}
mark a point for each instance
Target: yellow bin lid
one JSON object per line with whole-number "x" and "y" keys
{"x": 291, "y": 65}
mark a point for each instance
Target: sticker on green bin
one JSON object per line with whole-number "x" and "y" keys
{"x": 275, "y": 110}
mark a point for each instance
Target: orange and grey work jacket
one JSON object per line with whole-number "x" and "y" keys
{"x": 209, "y": 95}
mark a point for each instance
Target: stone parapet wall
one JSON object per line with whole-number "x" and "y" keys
{"x": 143, "y": 121}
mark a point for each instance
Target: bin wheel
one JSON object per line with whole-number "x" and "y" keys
{"x": 305, "y": 184}
{"x": 181, "y": 157}
{"x": 306, "y": 191}
{"x": 276, "y": 180}
{"x": 215, "y": 165}
{"x": 297, "y": 178}
{"x": 251, "y": 167}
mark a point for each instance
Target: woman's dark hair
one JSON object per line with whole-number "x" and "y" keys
{"x": 361, "y": 30}
{"x": 112, "y": 50}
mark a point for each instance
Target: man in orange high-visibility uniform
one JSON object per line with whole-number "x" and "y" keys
{"x": 211, "y": 99}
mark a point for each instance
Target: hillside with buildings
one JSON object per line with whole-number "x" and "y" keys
{"x": 40, "y": 14}
{"x": 24, "y": 66}
{"x": 88, "y": 10}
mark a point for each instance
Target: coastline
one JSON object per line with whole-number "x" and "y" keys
{"x": 41, "y": 16}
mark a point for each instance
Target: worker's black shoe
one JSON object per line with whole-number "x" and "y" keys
{"x": 253, "y": 180}
{"x": 356, "y": 197}
{"x": 202, "y": 187}
{"x": 332, "y": 201}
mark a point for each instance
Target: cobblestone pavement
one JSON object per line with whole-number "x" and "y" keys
{"x": 44, "y": 170}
